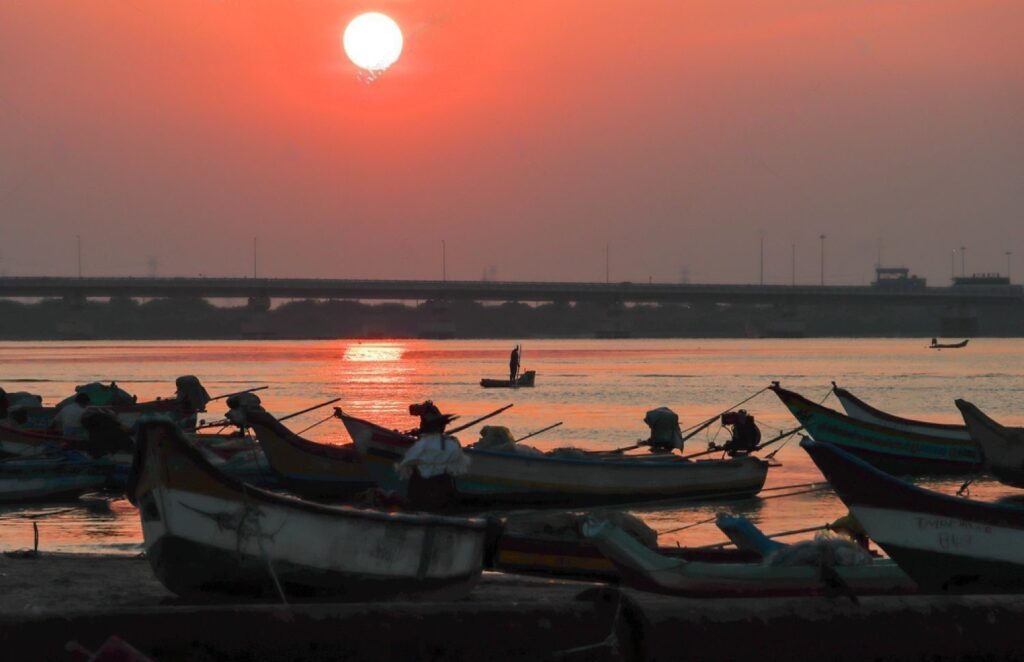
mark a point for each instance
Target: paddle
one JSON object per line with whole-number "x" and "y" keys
{"x": 224, "y": 423}
{"x": 755, "y": 448}
{"x": 248, "y": 390}
{"x": 479, "y": 420}
{"x": 534, "y": 434}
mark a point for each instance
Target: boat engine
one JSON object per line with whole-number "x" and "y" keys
{"x": 745, "y": 433}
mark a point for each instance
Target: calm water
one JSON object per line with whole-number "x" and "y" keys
{"x": 600, "y": 389}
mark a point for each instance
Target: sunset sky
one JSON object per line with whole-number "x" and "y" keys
{"x": 525, "y": 134}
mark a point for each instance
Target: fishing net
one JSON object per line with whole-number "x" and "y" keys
{"x": 825, "y": 550}
{"x": 567, "y": 525}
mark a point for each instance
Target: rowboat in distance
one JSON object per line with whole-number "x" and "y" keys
{"x": 499, "y": 478}
{"x": 206, "y": 532}
{"x": 945, "y": 543}
{"x": 59, "y": 478}
{"x": 898, "y": 451}
{"x": 862, "y": 411}
{"x": 935, "y": 344}
{"x": 1002, "y": 447}
{"x": 307, "y": 468}
{"x": 524, "y": 380}
{"x": 821, "y": 568}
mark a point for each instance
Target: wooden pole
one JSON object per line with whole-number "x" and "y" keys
{"x": 534, "y": 434}
{"x": 479, "y": 420}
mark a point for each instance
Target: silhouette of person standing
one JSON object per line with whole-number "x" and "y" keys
{"x": 513, "y": 366}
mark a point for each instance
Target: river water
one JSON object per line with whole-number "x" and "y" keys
{"x": 599, "y": 389}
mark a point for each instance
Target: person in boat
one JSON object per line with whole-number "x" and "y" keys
{"x": 934, "y": 341}
{"x": 433, "y": 462}
{"x": 513, "y": 365}
{"x": 745, "y": 433}
{"x": 68, "y": 421}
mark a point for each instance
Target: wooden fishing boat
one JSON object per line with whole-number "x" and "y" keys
{"x": 524, "y": 380}
{"x": 1002, "y": 447}
{"x": 895, "y": 450}
{"x": 945, "y": 543}
{"x": 515, "y": 479}
{"x": 308, "y": 468}
{"x": 862, "y": 411}
{"x": 646, "y": 569}
{"x": 59, "y": 478}
{"x": 39, "y": 419}
{"x": 955, "y": 345}
{"x": 207, "y": 532}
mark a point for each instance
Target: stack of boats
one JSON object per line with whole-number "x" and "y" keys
{"x": 211, "y": 526}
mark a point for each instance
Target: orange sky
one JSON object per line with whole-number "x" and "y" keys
{"x": 526, "y": 134}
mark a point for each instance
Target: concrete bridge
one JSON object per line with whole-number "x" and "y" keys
{"x": 495, "y": 291}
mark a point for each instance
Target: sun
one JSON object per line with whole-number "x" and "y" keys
{"x": 373, "y": 41}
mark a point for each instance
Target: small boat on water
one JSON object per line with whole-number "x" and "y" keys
{"x": 912, "y": 449}
{"x": 305, "y": 467}
{"x": 823, "y": 568}
{"x": 500, "y": 478}
{"x": 206, "y": 532}
{"x": 1002, "y": 447}
{"x": 862, "y": 411}
{"x": 524, "y": 380}
{"x": 61, "y": 477}
{"x": 945, "y": 543}
{"x": 935, "y": 344}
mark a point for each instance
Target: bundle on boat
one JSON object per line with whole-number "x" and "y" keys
{"x": 206, "y": 532}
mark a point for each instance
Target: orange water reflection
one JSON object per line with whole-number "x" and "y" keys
{"x": 599, "y": 389}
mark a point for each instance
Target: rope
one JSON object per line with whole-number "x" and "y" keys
{"x": 323, "y": 420}
{"x": 712, "y": 419}
{"x": 255, "y": 515}
{"x": 611, "y": 640}
{"x": 774, "y": 496}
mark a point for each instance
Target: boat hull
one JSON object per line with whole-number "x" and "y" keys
{"x": 647, "y": 570}
{"x": 862, "y": 411}
{"x": 207, "y": 533}
{"x": 24, "y": 481}
{"x": 307, "y": 468}
{"x": 893, "y": 450}
{"x": 513, "y": 479}
{"x": 525, "y": 380}
{"x": 945, "y": 543}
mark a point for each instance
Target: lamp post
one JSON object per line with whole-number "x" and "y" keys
{"x": 444, "y": 262}
{"x": 1008, "y": 254}
{"x": 963, "y": 261}
{"x": 792, "y": 266}
{"x": 822, "y": 237}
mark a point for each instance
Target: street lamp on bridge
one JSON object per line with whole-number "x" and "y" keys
{"x": 822, "y": 237}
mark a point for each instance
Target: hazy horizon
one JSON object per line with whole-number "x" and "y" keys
{"x": 527, "y": 136}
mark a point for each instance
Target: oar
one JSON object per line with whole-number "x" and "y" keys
{"x": 780, "y": 534}
{"x": 478, "y": 420}
{"x": 225, "y": 422}
{"x": 777, "y": 439}
{"x": 248, "y": 390}
{"x": 534, "y": 434}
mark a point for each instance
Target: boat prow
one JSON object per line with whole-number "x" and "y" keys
{"x": 206, "y": 532}
{"x": 1002, "y": 447}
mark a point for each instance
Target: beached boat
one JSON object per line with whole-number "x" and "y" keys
{"x": 524, "y": 380}
{"x": 895, "y": 450}
{"x": 207, "y": 532}
{"x": 945, "y": 543}
{"x": 862, "y": 411}
{"x": 646, "y": 569}
{"x": 550, "y": 543}
{"x": 58, "y": 478}
{"x": 956, "y": 345}
{"x": 514, "y": 479}
{"x": 1002, "y": 447}
{"x": 308, "y": 468}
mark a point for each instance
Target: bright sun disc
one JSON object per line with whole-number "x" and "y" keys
{"x": 373, "y": 41}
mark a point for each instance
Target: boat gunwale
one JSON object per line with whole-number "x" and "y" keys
{"x": 841, "y": 392}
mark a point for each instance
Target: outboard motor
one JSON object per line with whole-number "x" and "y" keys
{"x": 191, "y": 393}
{"x": 665, "y": 434}
{"x": 745, "y": 433}
{"x": 239, "y": 405}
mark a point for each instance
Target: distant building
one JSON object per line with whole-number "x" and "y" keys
{"x": 897, "y": 278}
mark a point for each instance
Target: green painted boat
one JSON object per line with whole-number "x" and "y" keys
{"x": 891, "y": 449}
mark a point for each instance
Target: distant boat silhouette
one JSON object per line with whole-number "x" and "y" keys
{"x": 957, "y": 345}
{"x": 523, "y": 380}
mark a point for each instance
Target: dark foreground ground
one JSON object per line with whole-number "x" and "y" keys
{"x": 49, "y": 601}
